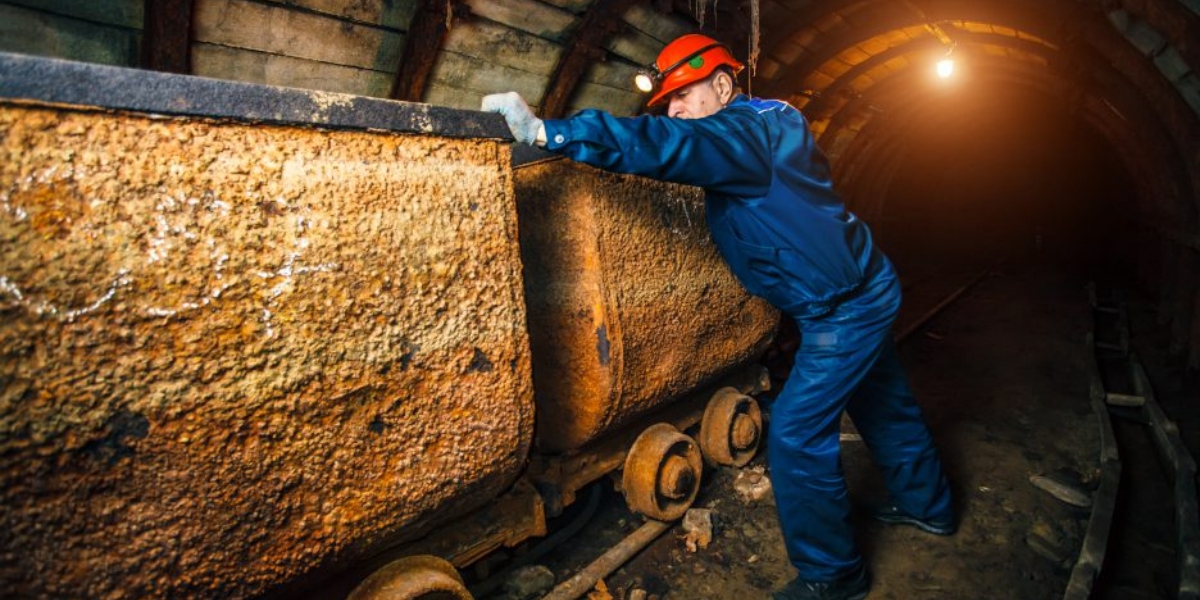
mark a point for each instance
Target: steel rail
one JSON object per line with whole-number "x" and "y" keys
{"x": 611, "y": 560}
{"x": 583, "y": 581}
{"x": 544, "y": 547}
{"x": 1163, "y": 432}
{"x": 1104, "y": 503}
{"x": 1182, "y": 467}
{"x": 915, "y": 326}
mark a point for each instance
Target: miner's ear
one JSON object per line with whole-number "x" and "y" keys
{"x": 724, "y": 86}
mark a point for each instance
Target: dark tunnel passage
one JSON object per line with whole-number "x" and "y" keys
{"x": 997, "y": 174}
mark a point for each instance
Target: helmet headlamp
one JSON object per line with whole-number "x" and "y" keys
{"x": 650, "y": 78}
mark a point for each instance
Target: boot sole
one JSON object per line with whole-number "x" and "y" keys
{"x": 919, "y": 524}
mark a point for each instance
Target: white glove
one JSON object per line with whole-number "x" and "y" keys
{"x": 523, "y": 124}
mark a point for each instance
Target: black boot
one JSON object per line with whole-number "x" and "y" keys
{"x": 852, "y": 586}
{"x": 893, "y": 516}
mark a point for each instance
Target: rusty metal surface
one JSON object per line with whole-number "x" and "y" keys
{"x": 662, "y": 473}
{"x": 568, "y": 473}
{"x": 413, "y": 577}
{"x": 233, "y": 356}
{"x": 731, "y": 429}
{"x": 84, "y": 84}
{"x": 630, "y": 306}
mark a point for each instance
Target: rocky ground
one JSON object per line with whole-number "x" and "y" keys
{"x": 1002, "y": 380}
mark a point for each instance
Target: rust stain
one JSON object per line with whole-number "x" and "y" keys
{"x": 235, "y": 356}
{"x": 52, "y": 208}
{"x": 630, "y": 304}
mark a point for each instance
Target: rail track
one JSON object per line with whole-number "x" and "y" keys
{"x": 1120, "y": 387}
{"x": 586, "y": 578}
{"x": 1119, "y": 390}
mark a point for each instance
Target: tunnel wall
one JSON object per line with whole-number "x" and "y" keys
{"x": 356, "y": 47}
{"x": 107, "y": 31}
{"x": 237, "y": 353}
{"x": 630, "y": 305}
{"x": 1127, "y": 64}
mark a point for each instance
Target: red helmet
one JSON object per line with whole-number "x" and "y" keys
{"x": 688, "y": 59}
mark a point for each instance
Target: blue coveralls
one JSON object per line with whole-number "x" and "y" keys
{"x": 788, "y": 238}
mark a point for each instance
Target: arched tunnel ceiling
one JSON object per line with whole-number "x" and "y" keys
{"x": 847, "y": 63}
{"x": 819, "y": 60}
{"x": 858, "y": 66}
{"x": 1123, "y": 68}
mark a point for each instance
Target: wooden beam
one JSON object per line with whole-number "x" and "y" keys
{"x": 599, "y": 23}
{"x": 826, "y": 103}
{"x": 426, "y": 35}
{"x": 167, "y": 36}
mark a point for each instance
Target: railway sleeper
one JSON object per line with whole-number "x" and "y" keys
{"x": 1119, "y": 386}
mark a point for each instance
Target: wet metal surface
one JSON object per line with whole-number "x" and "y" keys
{"x": 237, "y": 355}
{"x": 629, "y": 303}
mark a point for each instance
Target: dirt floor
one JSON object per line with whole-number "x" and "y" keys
{"x": 1001, "y": 376}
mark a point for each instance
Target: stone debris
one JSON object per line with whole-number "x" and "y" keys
{"x": 1047, "y": 531}
{"x": 600, "y": 593}
{"x": 528, "y": 582}
{"x": 637, "y": 594}
{"x": 752, "y": 486}
{"x": 1044, "y": 548}
{"x": 698, "y": 528}
{"x": 1057, "y": 486}
{"x": 1047, "y": 541}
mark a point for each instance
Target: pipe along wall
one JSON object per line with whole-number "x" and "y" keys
{"x": 251, "y": 335}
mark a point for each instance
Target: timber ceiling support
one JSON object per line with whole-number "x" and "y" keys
{"x": 602, "y": 20}
{"x": 167, "y": 36}
{"x": 810, "y": 12}
{"x": 426, "y": 35}
{"x": 1171, "y": 18}
{"x": 824, "y": 105}
{"x": 932, "y": 27}
{"x": 832, "y": 45}
{"x": 1139, "y": 141}
{"x": 1024, "y": 16}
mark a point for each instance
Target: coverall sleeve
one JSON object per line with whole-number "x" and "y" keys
{"x": 728, "y": 153}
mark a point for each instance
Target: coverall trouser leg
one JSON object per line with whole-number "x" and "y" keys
{"x": 837, "y": 368}
{"x": 891, "y": 424}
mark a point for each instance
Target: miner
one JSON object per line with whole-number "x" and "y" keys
{"x": 775, "y": 217}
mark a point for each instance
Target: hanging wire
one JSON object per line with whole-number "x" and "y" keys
{"x": 752, "y": 58}
{"x": 700, "y": 11}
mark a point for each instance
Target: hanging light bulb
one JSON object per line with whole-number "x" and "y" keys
{"x": 945, "y": 67}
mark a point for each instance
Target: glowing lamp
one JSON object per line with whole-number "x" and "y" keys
{"x": 945, "y": 67}
{"x": 644, "y": 81}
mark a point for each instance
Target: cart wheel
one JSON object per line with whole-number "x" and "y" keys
{"x": 662, "y": 473}
{"x": 413, "y": 578}
{"x": 731, "y": 429}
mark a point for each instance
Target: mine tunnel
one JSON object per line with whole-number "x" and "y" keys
{"x": 285, "y": 314}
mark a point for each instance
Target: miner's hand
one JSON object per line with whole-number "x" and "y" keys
{"x": 523, "y": 124}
